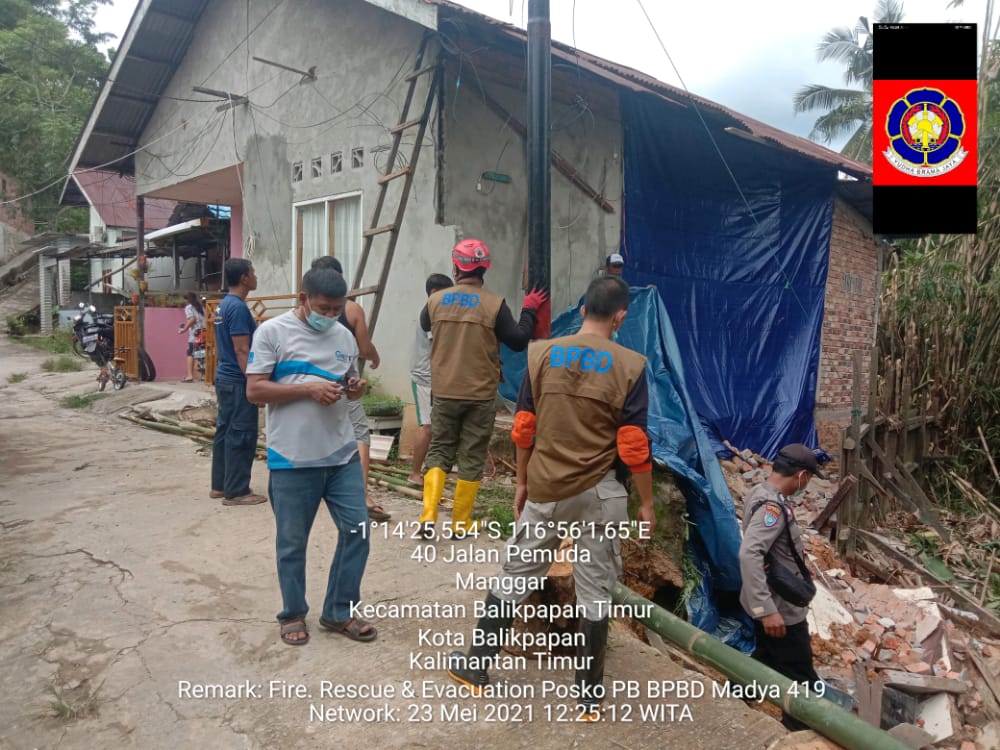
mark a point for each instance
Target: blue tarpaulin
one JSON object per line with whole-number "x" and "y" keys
{"x": 744, "y": 292}
{"x": 681, "y": 444}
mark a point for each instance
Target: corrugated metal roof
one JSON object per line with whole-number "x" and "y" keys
{"x": 635, "y": 80}
{"x": 155, "y": 43}
{"x": 161, "y": 31}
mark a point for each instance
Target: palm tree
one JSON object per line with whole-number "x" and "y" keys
{"x": 848, "y": 109}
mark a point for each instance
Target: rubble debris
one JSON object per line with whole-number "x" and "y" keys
{"x": 922, "y": 658}
{"x": 912, "y": 735}
{"x": 914, "y": 683}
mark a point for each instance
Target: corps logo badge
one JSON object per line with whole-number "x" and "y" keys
{"x": 772, "y": 512}
{"x": 924, "y": 133}
{"x": 925, "y": 130}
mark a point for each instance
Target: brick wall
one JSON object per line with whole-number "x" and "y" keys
{"x": 849, "y": 320}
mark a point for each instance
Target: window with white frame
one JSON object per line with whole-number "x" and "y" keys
{"x": 329, "y": 226}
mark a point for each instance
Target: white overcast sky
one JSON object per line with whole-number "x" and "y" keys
{"x": 749, "y": 56}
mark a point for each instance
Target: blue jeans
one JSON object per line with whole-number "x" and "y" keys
{"x": 235, "y": 440}
{"x": 295, "y": 498}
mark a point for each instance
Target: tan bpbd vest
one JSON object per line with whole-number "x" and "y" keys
{"x": 579, "y": 384}
{"x": 465, "y": 353}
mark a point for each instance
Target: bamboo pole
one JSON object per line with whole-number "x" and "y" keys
{"x": 821, "y": 715}
{"x": 986, "y": 580}
{"x": 989, "y": 456}
{"x": 397, "y": 486}
{"x": 175, "y": 429}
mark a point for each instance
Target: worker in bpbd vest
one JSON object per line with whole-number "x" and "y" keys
{"x": 467, "y": 323}
{"x": 581, "y": 419}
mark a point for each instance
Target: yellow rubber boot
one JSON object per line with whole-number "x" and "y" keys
{"x": 433, "y": 489}
{"x": 465, "y": 498}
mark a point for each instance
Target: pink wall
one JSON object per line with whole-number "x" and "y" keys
{"x": 164, "y": 345}
{"x": 236, "y": 232}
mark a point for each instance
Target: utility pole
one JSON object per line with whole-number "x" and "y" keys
{"x": 539, "y": 158}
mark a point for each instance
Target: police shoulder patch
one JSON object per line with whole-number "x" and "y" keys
{"x": 772, "y": 512}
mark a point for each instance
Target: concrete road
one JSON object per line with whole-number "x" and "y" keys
{"x": 137, "y": 613}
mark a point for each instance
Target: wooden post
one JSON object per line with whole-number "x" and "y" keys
{"x": 846, "y": 538}
{"x": 177, "y": 265}
{"x": 867, "y": 493}
{"x": 905, "y": 413}
{"x": 140, "y": 251}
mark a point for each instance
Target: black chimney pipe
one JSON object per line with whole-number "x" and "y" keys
{"x": 539, "y": 156}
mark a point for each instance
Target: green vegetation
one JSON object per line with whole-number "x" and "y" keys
{"x": 940, "y": 306}
{"x": 378, "y": 403}
{"x": 80, "y": 401}
{"x": 22, "y": 324}
{"x": 940, "y": 313}
{"x": 66, "y": 708}
{"x": 63, "y": 364}
{"x": 495, "y": 503}
{"x": 17, "y": 377}
{"x": 51, "y": 70}
{"x": 848, "y": 109}
{"x": 60, "y": 342}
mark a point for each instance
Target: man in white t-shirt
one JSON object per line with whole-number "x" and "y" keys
{"x": 303, "y": 365}
{"x": 420, "y": 377}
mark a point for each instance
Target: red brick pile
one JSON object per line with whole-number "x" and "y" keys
{"x": 898, "y": 638}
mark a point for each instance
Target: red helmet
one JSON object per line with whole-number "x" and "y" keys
{"x": 471, "y": 254}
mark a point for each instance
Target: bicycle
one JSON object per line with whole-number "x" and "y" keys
{"x": 112, "y": 373}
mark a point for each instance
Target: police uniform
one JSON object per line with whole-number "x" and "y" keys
{"x": 467, "y": 324}
{"x": 764, "y": 532}
{"x": 581, "y": 409}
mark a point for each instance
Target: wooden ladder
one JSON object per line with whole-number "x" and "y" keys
{"x": 391, "y": 174}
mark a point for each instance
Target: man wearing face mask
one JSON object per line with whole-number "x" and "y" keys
{"x": 303, "y": 365}
{"x": 770, "y": 528}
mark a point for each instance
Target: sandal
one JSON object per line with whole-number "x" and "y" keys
{"x": 377, "y": 513}
{"x": 187, "y": 380}
{"x": 353, "y": 629}
{"x": 294, "y": 626}
{"x": 245, "y": 500}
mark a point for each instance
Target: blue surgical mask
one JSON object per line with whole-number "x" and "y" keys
{"x": 319, "y": 322}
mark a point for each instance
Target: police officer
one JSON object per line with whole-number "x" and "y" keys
{"x": 581, "y": 416}
{"x": 769, "y": 523}
{"x": 467, "y": 323}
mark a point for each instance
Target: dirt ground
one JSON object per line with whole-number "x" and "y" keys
{"x": 121, "y": 583}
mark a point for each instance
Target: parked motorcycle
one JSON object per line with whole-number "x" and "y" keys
{"x": 94, "y": 338}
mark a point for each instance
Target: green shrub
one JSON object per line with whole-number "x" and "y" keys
{"x": 80, "y": 401}
{"x": 17, "y": 377}
{"x": 60, "y": 342}
{"x": 23, "y": 324}
{"x": 378, "y": 403}
{"x": 62, "y": 364}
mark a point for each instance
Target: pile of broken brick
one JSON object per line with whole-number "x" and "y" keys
{"x": 909, "y": 663}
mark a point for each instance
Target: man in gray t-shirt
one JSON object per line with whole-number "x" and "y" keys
{"x": 302, "y": 365}
{"x": 420, "y": 376}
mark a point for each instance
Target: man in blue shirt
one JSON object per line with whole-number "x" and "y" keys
{"x": 236, "y": 424}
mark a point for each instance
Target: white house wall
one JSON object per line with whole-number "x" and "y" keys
{"x": 477, "y": 140}
{"x": 362, "y": 54}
